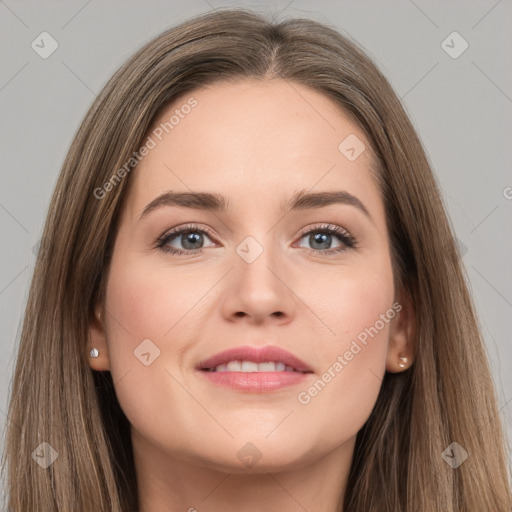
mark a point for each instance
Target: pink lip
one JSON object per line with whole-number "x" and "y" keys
{"x": 257, "y": 382}
{"x": 257, "y": 355}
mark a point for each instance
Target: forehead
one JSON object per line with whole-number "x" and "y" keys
{"x": 256, "y": 140}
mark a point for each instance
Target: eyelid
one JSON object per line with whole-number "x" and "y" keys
{"x": 324, "y": 226}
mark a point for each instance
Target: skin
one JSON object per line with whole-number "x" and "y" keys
{"x": 256, "y": 142}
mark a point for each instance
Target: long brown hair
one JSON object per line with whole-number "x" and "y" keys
{"x": 446, "y": 396}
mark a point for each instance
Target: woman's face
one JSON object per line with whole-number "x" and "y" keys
{"x": 252, "y": 273}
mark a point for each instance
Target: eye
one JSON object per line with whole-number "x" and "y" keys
{"x": 190, "y": 237}
{"x": 322, "y": 237}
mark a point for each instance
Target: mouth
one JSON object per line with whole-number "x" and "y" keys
{"x": 251, "y": 367}
{"x": 254, "y": 359}
{"x": 254, "y": 369}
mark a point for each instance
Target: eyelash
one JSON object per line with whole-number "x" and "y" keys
{"x": 349, "y": 242}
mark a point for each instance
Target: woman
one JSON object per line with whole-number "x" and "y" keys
{"x": 248, "y": 296}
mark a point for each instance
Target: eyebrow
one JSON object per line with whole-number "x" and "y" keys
{"x": 301, "y": 200}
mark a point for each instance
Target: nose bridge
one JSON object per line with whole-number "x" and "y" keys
{"x": 256, "y": 285}
{"x": 259, "y": 245}
{"x": 256, "y": 255}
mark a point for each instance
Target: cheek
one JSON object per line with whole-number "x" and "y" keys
{"x": 151, "y": 302}
{"x": 359, "y": 311}
{"x": 155, "y": 310}
{"x": 147, "y": 319}
{"x": 352, "y": 303}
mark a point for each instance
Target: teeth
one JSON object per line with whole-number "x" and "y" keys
{"x": 234, "y": 366}
{"x": 251, "y": 366}
{"x": 267, "y": 367}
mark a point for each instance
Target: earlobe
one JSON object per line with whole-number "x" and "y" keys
{"x": 401, "y": 346}
{"x": 97, "y": 348}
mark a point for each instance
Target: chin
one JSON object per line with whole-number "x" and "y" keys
{"x": 255, "y": 454}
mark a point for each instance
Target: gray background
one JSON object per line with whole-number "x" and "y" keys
{"x": 461, "y": 108}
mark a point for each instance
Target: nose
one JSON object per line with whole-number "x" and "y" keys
{"x": 259, "y": 291}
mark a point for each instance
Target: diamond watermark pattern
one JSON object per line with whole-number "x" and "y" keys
{"x": 454, "y": 45}
{"x": 146, "y": 352}
{"x": 35, "y": 248}
{"x": 249, "y": 455}
{"x": 44, "y": 45}
{"x": 461, "y": 247}
{"x": 45, "y": 455}
{"x": 454, "y": 455}
{"x": 351, "y": 147}
{"x": 249, "y": 249}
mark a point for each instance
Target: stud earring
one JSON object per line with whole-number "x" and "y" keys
{"x": 403, "y": 361}
{"x": 94, "y": 352}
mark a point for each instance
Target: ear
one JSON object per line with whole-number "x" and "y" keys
{"x": 98, "y": 340}
{"x": 401, "y": 347}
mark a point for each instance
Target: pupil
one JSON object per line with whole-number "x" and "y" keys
{"x": 190, "y": 238}
{"x": 324, "y": 238}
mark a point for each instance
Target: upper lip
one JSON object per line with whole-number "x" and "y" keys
{"x": 257, "y": 355}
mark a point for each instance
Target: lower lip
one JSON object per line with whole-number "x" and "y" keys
{"x": 256, "y": 382}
